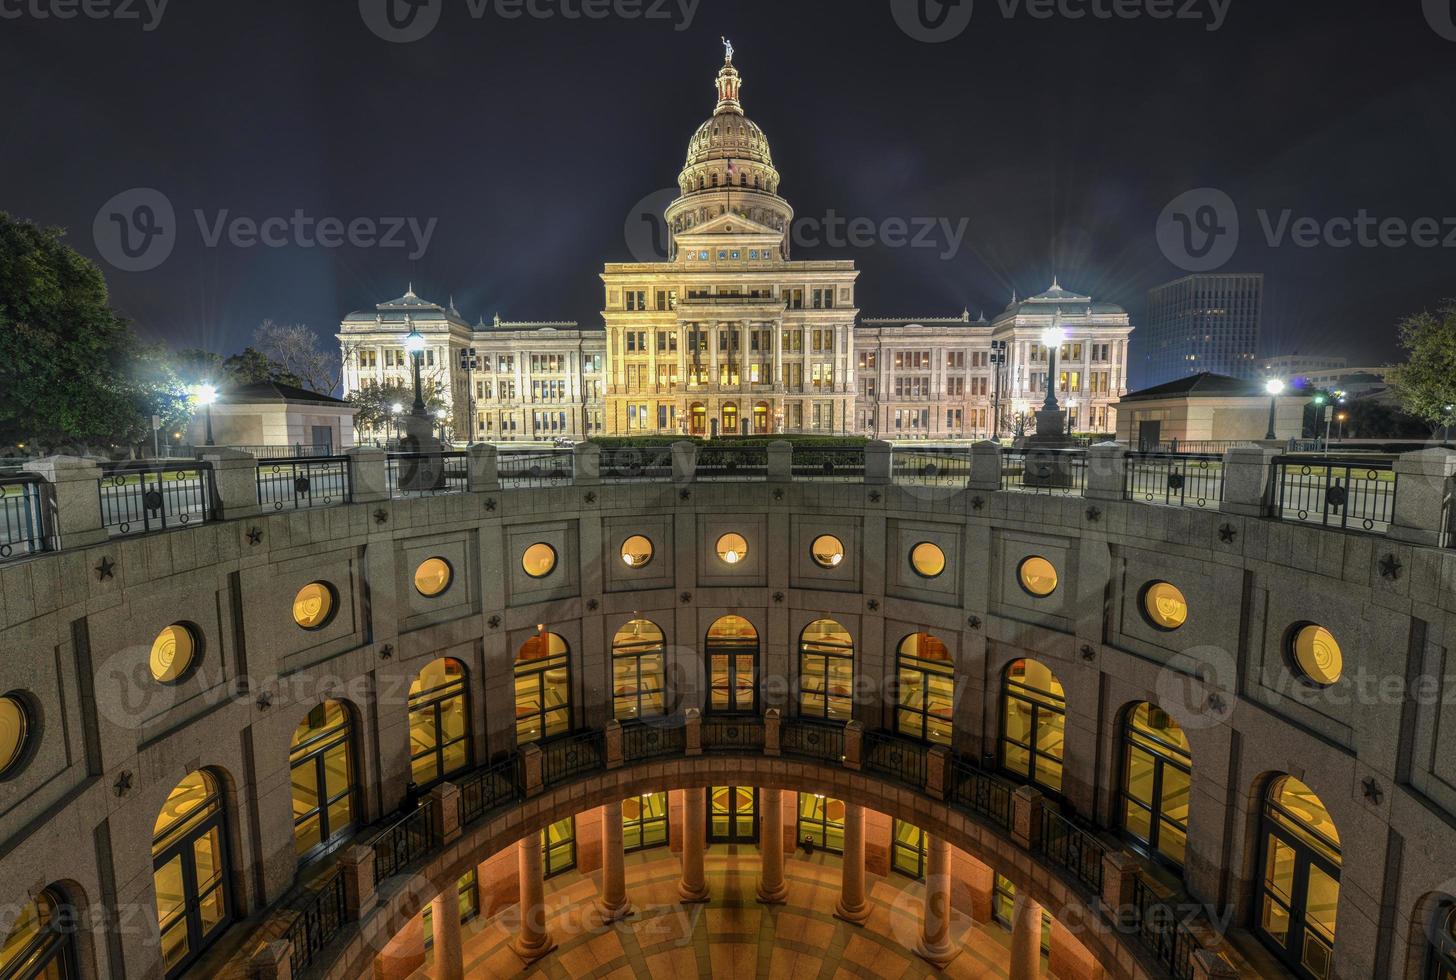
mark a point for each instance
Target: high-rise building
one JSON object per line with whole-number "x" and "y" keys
{"x": 1203, "y": 324}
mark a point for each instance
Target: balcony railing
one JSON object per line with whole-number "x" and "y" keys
{"x": 810, "y": 739}
{"x": 1348, "y": 493}
{"x": 636, "y": 465}
{"x": 428, "y": 474}
{"x": 898, "y": 758}
{"x": 747, "y": 464}
{"x": 812, "y": 463}
{"x": 1044, "y": 471}
{"x": 1163, "y": 932}
{"x": 405, "y": 841}
{"x": 733, "y": 734}
{"x": 22, "y": 515}
{"x": 1071, "y": 848}
{"x": 485, "y": 789}
{"x": 976, "y": 790}
{"x": 1179, "y": 481}
{"x": 547, "y": 468}
{"x": 568, "y": 757}
{"x": 928, "y": 468}
{"x": 155, "y": 496}
{"x": 321, "y": 913}
{"x": 643, "y": 740}
{"x": 295, "y": 484}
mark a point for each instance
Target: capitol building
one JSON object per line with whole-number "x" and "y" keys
{"x": 731, "y": 335}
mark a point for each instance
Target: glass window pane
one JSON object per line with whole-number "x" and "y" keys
{"x": 1279, "y": 870}
{"x": 1172, "y": 841}
{"x": 306, "y": 834}
{"x": 1175, "y": 794}
{"x": 212, "y": 908}
{"x": 1138, "y": 821}
{"x": 1274, "y": 921}
{"x": 305, "y": 788}
{"x": 1140, "y": 768}
{"x": 207, "y": 858}
{"x": 340, "y": 815}
{"x": 1321, "y": 903}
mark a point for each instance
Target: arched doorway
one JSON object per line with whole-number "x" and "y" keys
{"x": 826, "y": 672}
{"x": 699, "y": 414}
{"x": 925, "y": 704}
{"x": 1299, "y": 887}
{"x": 730, "y": 419}
{"x": 1156, "y": 772}
{"x": 639, "y": 671}
{"x": 1033, "y": 724}
{"x": 39, "y": 945}
{"x": 190, "y": 871}
{"x": 439, "y": 716}
{"x": 322, "y": 769}
{"x": 732, "y": 652}
{"x": 761, "y": 419}
{"x": 543, "y": 689}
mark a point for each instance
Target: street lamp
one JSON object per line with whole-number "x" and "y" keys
{"x": 442, "y": 415}
{"x": 1343, "y": 416}
{"x": 396, "y": 410}
{"x": 1449, "y": 409}
{"x": 206, "y": 394}
{"x": 1275, "y": 388}
{"x": 414, "y": 342}
{"x": 1052, "y": 340}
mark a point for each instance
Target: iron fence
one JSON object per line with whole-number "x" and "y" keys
{"x": 930, "y": 468}
{"x": 295, "y": 451}
{"x": 570, "y": 756}
{"x": 810, "y": 739}
{"x": 976, "y": 790}
{"x": 485, "y": 789}
{"x": 898, "y": 758}
{"x": 154, "y": 496}
{"x": 545, "y": 468}
{"x": 832, "y": 463}
{"x": 1345, "y": 492}
{"x": 22, "y": 515}
{"x": 1163, "y": 932}
{"x": 636, "y": 465}
{"x": 300, "y": 483}
{"x": 1072, "y": 848}
{"x": 321, "y": 914}
{"x": 428, "y": 474}
{"x": 732, "y": 734}
{"x": 1181, "y": 481}
{"x": 405, "y": 841}
{"x": 653, "y": 739}
{"x": 743, "y": 463}
{"x": 1045, "y": 471}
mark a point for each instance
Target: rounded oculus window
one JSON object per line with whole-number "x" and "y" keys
{"x": 539, "y": 560}
{"x": 1316, "y": 655}
{"x": 433, "y": 577}
{"x": 637, "y": 551}
{"x": 313, "y": 607}
{"x": 14, "y": 734}
{"x": 173, "y": 653}
{"x": 927, "y": 560}
{"x": 828, "y": 551}
{"x": 733, "y": 549}
{"x": 1164, "y": 606}
{"x": 1037, "y": 576}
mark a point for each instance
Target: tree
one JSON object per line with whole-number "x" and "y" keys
{"x": 1426, "y": 383}
{"x": 72, "y": 373}
{"x": 250, "y": 366}
{"x": 296, "y": 350}
{"x": 376, "y": 404}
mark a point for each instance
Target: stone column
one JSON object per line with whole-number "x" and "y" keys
{"x": 935, "y": 944}
{"x": 1025, "y": 938}
{"x": 613, "y": 903}
{"x": 772, "y": 889}
{"x": 234, "y": 482}
{"x": 532, "y": 941}
{"x": 694, "y": 886}
{"x": 852, "y": 907}
{"x": 445, "y": 921}
{"x": 368, "y": 474}
{"x": 72, "y": 517}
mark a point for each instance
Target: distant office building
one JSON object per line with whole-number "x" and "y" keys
{"x": 1203, "y": 324}
{"x": 1293, "y": 367}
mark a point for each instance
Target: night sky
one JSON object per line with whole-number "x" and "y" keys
{"x": 532, "y": 140}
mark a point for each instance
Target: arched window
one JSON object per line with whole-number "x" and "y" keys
{"x": 926, "y": 703}
{"x": 732, "y": 650}
{"x": 1155, "y": 773}
{"x": 1033, "y": 724}
{"x": 826, "y": 672}
{"x": 190, "y": 871}
{"x": 1442, "y": 934}
{"x": 1299, "y": 890}
{"x": 543, "y": 689}
{"x": 639, "y": 671}
{"x": 760, "y": 418}
{"x": 439, "y": 716}
{"x": 39, "y": 944}
{"x": 730, "y": 418}
{"x": 322, "y": 768}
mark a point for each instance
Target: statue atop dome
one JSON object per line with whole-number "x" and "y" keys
{"x": 727, "y": 51}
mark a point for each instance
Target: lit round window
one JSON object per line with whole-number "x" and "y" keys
{"x": 313, "y": 607}
{"x": 173, "y": 652}
{"x": 828, "y": 551}
{"x": 733, "y": 548}
{"x": 1038, "y": 577}
{"x": 14, "y": 734}
{"x": 433, "y": 577}
{"x": 637, "y": 551}
{"x": 927, "y": 560}
{"x": 539, "y": 560}
{"x": 1164, "y": 606}
{"x": 1316, "y": 655}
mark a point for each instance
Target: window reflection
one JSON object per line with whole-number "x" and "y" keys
{"x": 639, "y": 671}
{"x": 1033, "y": 724}
{"x": 1155, "y": 787}
{"x": 439, "y": 716}
{"x": 925, "y": 708}
{"x": 323, "y": 779}
{"x": 543, "y": 689}
{"x": 732, "y": 653}
{"x": 826, "y": 671}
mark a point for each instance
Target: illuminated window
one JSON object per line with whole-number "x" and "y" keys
{"x": 173, "y": 653}
{"x": 1300, "y": 878}
{"x": 733, "y": 549}
{"x": 539, "y": 560}
{"x": 313, "y": 606}
{"x": 644, "y": 822}
{"x": 323, "y": 779}
{"x": 543, "y": 689}
{"x": 433, "y": 577}
{"x": 1033, "y": 724}
{"x": 637, "y": 551}
{"x": 1003, "y": 906}
{"x": 1038, "y": 577}
{"x": 1442, "y": 935}
{"x": 558, "y": 847}
{"x": 828, "y": 551}
{"x": 927, "y": 560}
{"x": 439, "y": 716}
{"x": 1164, "y": 606}
{"x": 1156, "y": 764}
{"x": 15, "y": 734}
{"x": 1316, "y": 656}
{"x": 190, "y": 871}
{"x": 733, "y": 815}
{"x": 639, "y": 671}
{"x": 926, "y": 706}
{"x": 732, "y": 652}
{"x": 907, "y": 851}
{"x": 39, "y": 945}
{"x": 821, "y": 820}
{"x": 826, "y": 672}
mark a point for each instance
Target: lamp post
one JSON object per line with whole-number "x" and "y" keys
{"x": 206, "y": 394}
{"x": 414, "y": 342}
{"x": 1449, "y": 409}
{"x": 396, "y": 410}
{"x": 1275, "y": 388}
{"x": 442, "y": 415}
{"x": 1052, "y": 339}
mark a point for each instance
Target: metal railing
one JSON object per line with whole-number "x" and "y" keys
{"x": 1044, "y": 471}
{"x": 1345, "y": 492}
{"x": 811, "y": 739}
{"x": 299, "y": 483}
{"x": 1180, "y": 481}
{"x": 428, "y": 474}
{"x": 322, "y": 912}
{"x": 742, "y": 463}
{"x": 732, "y": 734}
{"x": 155, "y": 496}
{"x": 295, "y": 451}
{"x": 485, "y": 789}
{"x": 972, "y": 788}
{"x": 1163, "y": 932}
{"x": 899, "y": 758}
{"x": 22, "y": 515}
{"x": 545, "y": 468}
{"x": 928, "y": 468}
{"x": 812, "y": 463}
{"x": 1072, "y": 848}
{"x": 642, "y": 740}
{"x": 570, "y": 756}
{"x": 405, "y": 841}
{"x": 634, "y": 465}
